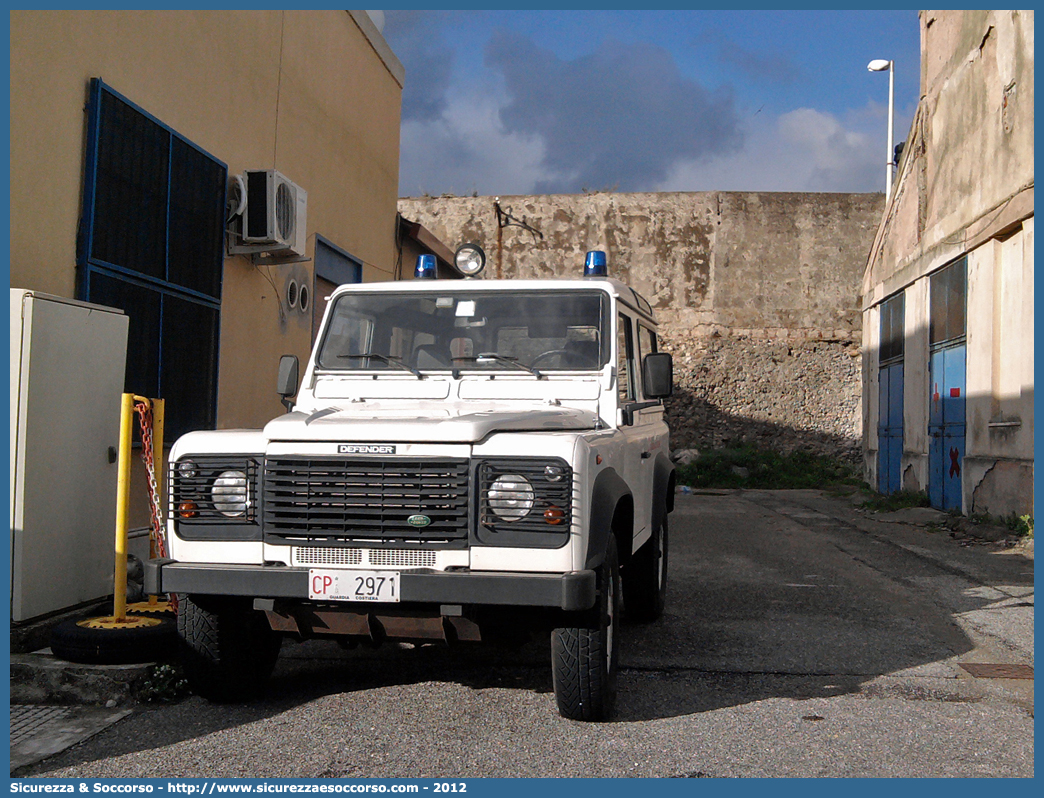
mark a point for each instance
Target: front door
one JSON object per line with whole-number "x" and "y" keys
{"x": 637, "y": 426}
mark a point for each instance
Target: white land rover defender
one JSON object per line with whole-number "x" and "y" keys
{"x": 461, "y": 455}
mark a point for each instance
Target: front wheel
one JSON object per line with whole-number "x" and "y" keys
{"x": 227, "y": 648}
{"x": 584, "y": 658}
{"x": 645, "y": 581}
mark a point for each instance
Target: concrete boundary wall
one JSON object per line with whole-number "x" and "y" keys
{"x": 757, "y": 295}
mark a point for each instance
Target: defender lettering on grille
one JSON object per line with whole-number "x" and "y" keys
{"x": 365, "y": 448}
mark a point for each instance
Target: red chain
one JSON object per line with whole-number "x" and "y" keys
{"x": 144, "y": 411}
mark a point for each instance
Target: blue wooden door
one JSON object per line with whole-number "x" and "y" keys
{"x": 946, "y": 427}
{"x": 890, "y": 429}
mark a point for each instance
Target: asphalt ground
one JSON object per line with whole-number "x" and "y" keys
{"x": 802, "y": 638}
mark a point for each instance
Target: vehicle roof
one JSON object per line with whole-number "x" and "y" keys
{"x": 623, "y": 292}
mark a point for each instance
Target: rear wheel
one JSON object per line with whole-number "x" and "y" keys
{"x": 584, "y": 658}
{"x": 645, "y": 582}
{"x": 227, "y": 648}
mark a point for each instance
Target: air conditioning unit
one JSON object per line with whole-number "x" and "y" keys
{"x": 273, "y": 212}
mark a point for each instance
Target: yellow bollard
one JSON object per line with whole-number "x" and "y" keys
{"x": 119, "y": 587}
{"x": 119, "y": 620}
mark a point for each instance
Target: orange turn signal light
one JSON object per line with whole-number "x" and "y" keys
{"x": 554, "y": 515}
{"x": 188, "y": 510}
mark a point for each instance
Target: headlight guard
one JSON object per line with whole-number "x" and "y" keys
{"x": 525, "y": 501}
{"x": 207, "y": 491}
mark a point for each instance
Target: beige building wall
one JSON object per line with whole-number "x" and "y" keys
{"x": 314, "y": 94}
{"x": 964, "y": 187}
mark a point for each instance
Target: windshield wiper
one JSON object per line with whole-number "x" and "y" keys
{"x": 511, "y": 361}
{"x": 395, "y": 361}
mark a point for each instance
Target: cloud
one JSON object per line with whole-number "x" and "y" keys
{"x": 618, "y": 118}
{"x": 840, "y": 159}
{"x": 467, "y": 150}
{"x": 802, "y": 150}
{"x": 622, "y": 117}
{"x": 417, "y": 39}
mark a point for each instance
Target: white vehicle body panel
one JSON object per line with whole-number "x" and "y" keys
{"x": 448, "y": 414}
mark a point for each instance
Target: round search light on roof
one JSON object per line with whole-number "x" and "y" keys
{"x": 425, "y": 268}
{"x": 470, "y": 259}
{"x": 595, "y": 265}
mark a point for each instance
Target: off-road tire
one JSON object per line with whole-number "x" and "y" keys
{"x": 228, "y": 649}
{"x": 645, "y": 578}
{"x": 114, "y": 645}
{"x": 584, "y": 658}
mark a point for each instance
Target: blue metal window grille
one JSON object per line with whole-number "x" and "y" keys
{"x": 151, "y": 243}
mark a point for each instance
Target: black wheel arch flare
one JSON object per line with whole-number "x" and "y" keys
{"x": 663, "y": 490}
{"x": 608, "y": 492}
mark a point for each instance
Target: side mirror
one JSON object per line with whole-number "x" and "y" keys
{"x": 286, "y": 384}
{"x": 658, "y": 375}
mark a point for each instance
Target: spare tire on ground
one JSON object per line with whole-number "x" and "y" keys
{"x": 100, "y": 641}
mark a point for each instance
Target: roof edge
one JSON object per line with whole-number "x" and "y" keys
{"x": 380, "y": 46}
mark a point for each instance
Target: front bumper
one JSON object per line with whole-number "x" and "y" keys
{"x": 575, "y": 590}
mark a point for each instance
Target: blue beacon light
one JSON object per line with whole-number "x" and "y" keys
{"x": 425, "y": 268}
{"x": 595, "y": 265}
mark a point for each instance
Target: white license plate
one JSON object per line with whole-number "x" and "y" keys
{"x": 340, "y": 585}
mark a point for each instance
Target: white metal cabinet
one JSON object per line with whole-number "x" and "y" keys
{"x": 67, "y": 373}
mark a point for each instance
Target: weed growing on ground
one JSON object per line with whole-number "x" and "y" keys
{"x": 163, "y": 684}
{"x": 889, "y": 503}
{"x": 1020, "y": 525}
{"x": 1023, "y": 525}
{"x": 746, "y": 466}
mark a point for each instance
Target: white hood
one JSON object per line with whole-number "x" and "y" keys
{"x": 446, "y": 424}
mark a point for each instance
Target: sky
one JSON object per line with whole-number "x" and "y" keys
{"x": 535, "y": 102}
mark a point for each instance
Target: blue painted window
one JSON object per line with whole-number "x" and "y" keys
{"x": 150, "y": 243}
{"x": 333, "y": 267}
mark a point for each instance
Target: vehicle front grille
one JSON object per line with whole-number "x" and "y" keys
{"x": 335, "y": 501}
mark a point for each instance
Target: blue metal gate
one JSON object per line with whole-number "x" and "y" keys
{"x": 890, "y": 396}
{"x": 946, "y": 427}
{"x": 947, "y": 338}
{"x": 890, "y": 429}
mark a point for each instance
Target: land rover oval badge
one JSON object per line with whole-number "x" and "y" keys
{"x": 418, "y": 520}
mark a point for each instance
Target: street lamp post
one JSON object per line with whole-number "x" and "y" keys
{"x": 880, "y": 65}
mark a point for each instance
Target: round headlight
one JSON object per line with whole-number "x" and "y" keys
{"x": 470, "y": 259}
{"x": 187, "y": 469}
{"x": 511, "y": 497}
{"x": 230, "y": 493}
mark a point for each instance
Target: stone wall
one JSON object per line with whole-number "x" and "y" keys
{"x": 777, "y": 394}
{"x": 756, "y": 293}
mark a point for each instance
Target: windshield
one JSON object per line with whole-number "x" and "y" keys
{"x": 532, "y": 331}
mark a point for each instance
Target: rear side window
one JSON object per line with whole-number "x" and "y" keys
{"x": 625, "y": 360}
